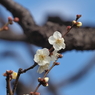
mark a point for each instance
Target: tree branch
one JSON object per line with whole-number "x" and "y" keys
{"x": 79, "y": 39}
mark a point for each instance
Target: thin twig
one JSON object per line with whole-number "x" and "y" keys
{"x": 20, "y": 71}
{"x": 1, "y": 29}
{"x": 23, "y": 71}
{"x": 49, "y": 70}
{"x": 8, "y": 86}
{"x": 16, "y": 81}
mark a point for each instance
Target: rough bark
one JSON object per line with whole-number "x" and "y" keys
{"x": 78, "y": 38}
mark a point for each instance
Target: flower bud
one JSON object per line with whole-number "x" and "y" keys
{"x": 79, "y": 24}
{"x": 16, "y": 19}
{"x": 10, "y": 20}
{"x": 56, "y": 63}
{"x": 45, "y": 84}
{"x": 60, "y": 56}
{"x": 14, "y": 75}
{"x": 39, "y": 79}
{"x": 46, "y": 79}
{"x": 73, "y": 22}
{"x": 78, "y": 16}
{"x": 5, "y": 28}
{"x": 68, "y": 27}
{"x": 36, "y": 93}
{"x": 9, "y": 72}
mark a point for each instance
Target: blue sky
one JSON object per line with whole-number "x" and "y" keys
{"x": 72, "y": 60}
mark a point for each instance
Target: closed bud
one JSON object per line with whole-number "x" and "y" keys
{"x": 60, "y": 56}
{"x": 79, "y": 24}
{"x": 10, "y": 20}
{"x": 45, "y": 84}
{"x": 46, "y": 79}
{"x": 39, "y": 79}
{"x": 56, "y": 63}
{"x": 9, "y": 71}
{"x": 14, "y": 75}
{"x": 68, "y": 27}
{"x": 78, "y": 16}
{"x": 5, "y": 28}
{"x": 34, "y": 93}
{"x": 16, "y": 19}
{"x": 73, "y": 22}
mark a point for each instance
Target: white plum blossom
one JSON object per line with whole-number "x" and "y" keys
{"x": 41, "y": 69}
{"x": 54, "y": 56}
{"x": 57, "y": 41}
{"x": 42, "y": 57}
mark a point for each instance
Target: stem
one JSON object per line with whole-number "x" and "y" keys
{"x": 4, "y": 26}
{"x": 16, "y": 81}
{"x": 37, "y": 88}
{"x": 23, "y": 71}
{"x": 48, "y": 70}
{"x": 8, "y": 86}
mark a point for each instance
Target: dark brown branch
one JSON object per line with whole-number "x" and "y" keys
{"x": 10, "y": 36}
{"x": 8, "y": 86}
{"x": 79, "y": 39}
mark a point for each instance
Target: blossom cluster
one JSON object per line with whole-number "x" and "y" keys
{"x": 44, "y": 57}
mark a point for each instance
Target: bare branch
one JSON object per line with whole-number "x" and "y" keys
{"x": 79, "y": 39}
{"x": 8, "y": 35}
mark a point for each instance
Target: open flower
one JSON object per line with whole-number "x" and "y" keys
{"x": 42, "y": 57}
{"x": 41, "y": 69}
{"x": 57, "y": 41}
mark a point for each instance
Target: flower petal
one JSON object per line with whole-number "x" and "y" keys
{"x": 43, "y": 68}
{"x": 51, "y": 39}
{"x": 45, "y": 51}
{"x": 63, "y": 45}
{"x": 56, "y": 46}
{"x": 57, "y": 35}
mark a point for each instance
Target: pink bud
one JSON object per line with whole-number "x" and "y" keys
{"x": 5, "y": 28}
{"x": 16, "y": 19}
{"x": 56, "y": 63}
{"x": 10, "y": 18}
{"x": 78, "y": 16}
{"x": 68, "y": 27}
{"x": 36, "y": 93}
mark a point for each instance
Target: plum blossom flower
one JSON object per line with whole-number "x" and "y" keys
{"x": 57, "y": 41}
{"x": 42, "y": 57}
{"x": 41, "y": 69}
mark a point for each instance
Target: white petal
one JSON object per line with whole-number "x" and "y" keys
{"x": 36, "y": 58}
{"x": 45, "y": 51}
{"x": 39, "y": 51}
{"x": 63, "y": 45}
{"x": 56, "y": 47}
{"x": 40, "y": 70}
{"x": 43, "y": 68}
{"x": 41, "y": 63}
{"x": 51, "y": 39}
{"x": 57, "y": 35}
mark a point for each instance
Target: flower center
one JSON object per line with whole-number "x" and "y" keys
{"x": 41, "y": 57}
{"x": 58, "y": 41}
